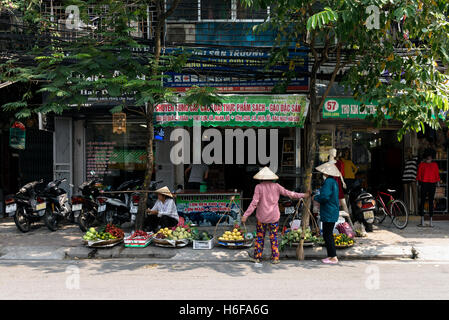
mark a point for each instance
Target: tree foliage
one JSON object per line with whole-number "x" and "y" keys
{"x": 102, "y": 61}
{"x": 399, "y": 63}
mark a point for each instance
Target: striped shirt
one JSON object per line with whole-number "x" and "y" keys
{"x": 410, "y": 170}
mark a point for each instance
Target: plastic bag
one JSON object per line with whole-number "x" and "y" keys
{"x": 346, "y": 229}
{"x": 359, "y": 229}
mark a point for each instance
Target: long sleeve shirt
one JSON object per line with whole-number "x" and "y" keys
{"x": 167, "y": 208}
{"x": 428, "y": 172}
{"x": 328, "y": 199}
{"x": 266, "y": 198}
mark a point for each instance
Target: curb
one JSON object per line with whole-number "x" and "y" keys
{"x": 190, "y": 255}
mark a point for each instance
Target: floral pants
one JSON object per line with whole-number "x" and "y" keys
{"x": 273, "y": 231}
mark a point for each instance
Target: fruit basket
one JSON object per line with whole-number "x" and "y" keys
{"x": 292, "y": 238}
{"x": 342, "y": 241}
{"x": 171, "y": 243}
{"x": 176, "y": 237}
{"x": 138, "y": 239}
{"x": 106, "y": 237}
{"x": 237, "y": 238}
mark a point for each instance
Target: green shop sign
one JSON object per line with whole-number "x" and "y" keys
{"x": 348, "y": 108}
{"x": 238, "y": 111}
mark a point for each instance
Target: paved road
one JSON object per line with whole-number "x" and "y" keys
{"x": 147, "y": 279}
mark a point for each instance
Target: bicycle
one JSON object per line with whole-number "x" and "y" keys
{"x": 395, "y": 209}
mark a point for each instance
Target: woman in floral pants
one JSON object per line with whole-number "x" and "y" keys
{"x": 265, "y": 199}
{"x": 272, "y": 229}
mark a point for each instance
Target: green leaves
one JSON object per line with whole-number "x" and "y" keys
{"x": 321, "y": 19}
{"x": 202, "y": 96}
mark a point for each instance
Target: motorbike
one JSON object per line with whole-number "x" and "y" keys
{"x": 27, "y": 205}
{"x": 135, "y": 198}
{"x": 58, "y": 204}
{"x": 363, "y": 206}
{"x": 87, "y": 209}
{"x": 119, "y": 207}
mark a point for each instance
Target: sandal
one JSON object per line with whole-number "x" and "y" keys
{"x": 254, "y": 260}
{"x": 421, "y": 225}
{"x": 275, "y": 261}
{"x": 329, "y": 261}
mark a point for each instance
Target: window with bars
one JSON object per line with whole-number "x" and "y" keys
{"x": 63, "y": 17}
{"x": 215, "y": 10}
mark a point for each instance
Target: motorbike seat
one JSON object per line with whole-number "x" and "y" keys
{"x": 391, "y": 190}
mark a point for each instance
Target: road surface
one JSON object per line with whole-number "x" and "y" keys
{"x": 147, "y": 279}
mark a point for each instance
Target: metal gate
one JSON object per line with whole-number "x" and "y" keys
{"x": 62, "y": 152}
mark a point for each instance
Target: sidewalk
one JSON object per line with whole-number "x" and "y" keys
{"x": 386, "y": 242}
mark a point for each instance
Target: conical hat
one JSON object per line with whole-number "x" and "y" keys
{"x": 266, "y": 174}
{"x": 165, "y": 191}
{"x": 330, "y": 169}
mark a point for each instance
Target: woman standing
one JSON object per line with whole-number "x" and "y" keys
{"x": 164, "y": 213}
{"x": 428, "y": 176}
{"x": 329, "y": 209}
{"x": 265, "y": 199}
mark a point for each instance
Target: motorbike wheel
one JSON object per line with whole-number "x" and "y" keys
{"x": 368, "y": 227}
{"x": 51, "y": 220}
{"x": 85, "y": 220}
{"x": 21, "y": 220}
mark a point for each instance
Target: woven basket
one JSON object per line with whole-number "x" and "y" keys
{"x": 245, "y": 243}
{"x": 169, "y": 243}
{"x": 103, "y": 243}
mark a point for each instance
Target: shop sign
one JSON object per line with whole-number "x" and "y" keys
{"x": 17, "y": 136}
{"x": 221, "y": 69}
{"x": 206, "y": 209}
{"x": 348, "y": 108}
{"x": 238, "y": 111}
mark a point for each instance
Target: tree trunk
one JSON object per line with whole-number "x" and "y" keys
{"x": 148, "y": 172}
{"x": 140, "y": 219}
{"x": 311, "y": 149}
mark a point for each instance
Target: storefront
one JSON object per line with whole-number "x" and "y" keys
{"x": 376, "y": 152}
{"x": 236, "y": 138}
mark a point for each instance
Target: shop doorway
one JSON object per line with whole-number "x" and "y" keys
{"x": 379, "y": 157}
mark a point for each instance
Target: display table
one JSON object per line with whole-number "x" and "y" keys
{"x": 206, "y": 208}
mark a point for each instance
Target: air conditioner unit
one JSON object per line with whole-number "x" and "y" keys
{"x": 180, "y": 33}
{"x": 10, "y": 22}
{"x": 73, "y": 31}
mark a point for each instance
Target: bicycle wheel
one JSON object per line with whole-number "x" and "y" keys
{"x": 380, "y": 214}
{"x": 399, "y": 214}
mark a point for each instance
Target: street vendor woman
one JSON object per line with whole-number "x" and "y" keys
{"x": 164, "y": 213}
{"x": 329, "y": 208}
{"x": 265, "y": 199}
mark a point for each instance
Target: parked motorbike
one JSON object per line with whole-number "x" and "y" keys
{"x": 363, "y": 206}
{"x": 87, "y": 209}
{"x": 27, "y": 205}
{"x": 135, "y": 198}
{"x": 58, "y": 204}
{"x": 118, "y": 207}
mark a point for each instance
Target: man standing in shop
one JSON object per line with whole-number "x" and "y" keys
{"x": 428, "y": 176}
{"x": 198, "y": 176}
{"x": 409, "y": 181}
{"x": 350, "y": 169}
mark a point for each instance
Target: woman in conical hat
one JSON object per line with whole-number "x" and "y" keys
{"x": 164, "y": 213}
{"x": 329, "y": 208}
{"x": 265, "y": 202}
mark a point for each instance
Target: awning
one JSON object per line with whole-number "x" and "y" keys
{"x": 238, "y": 111}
